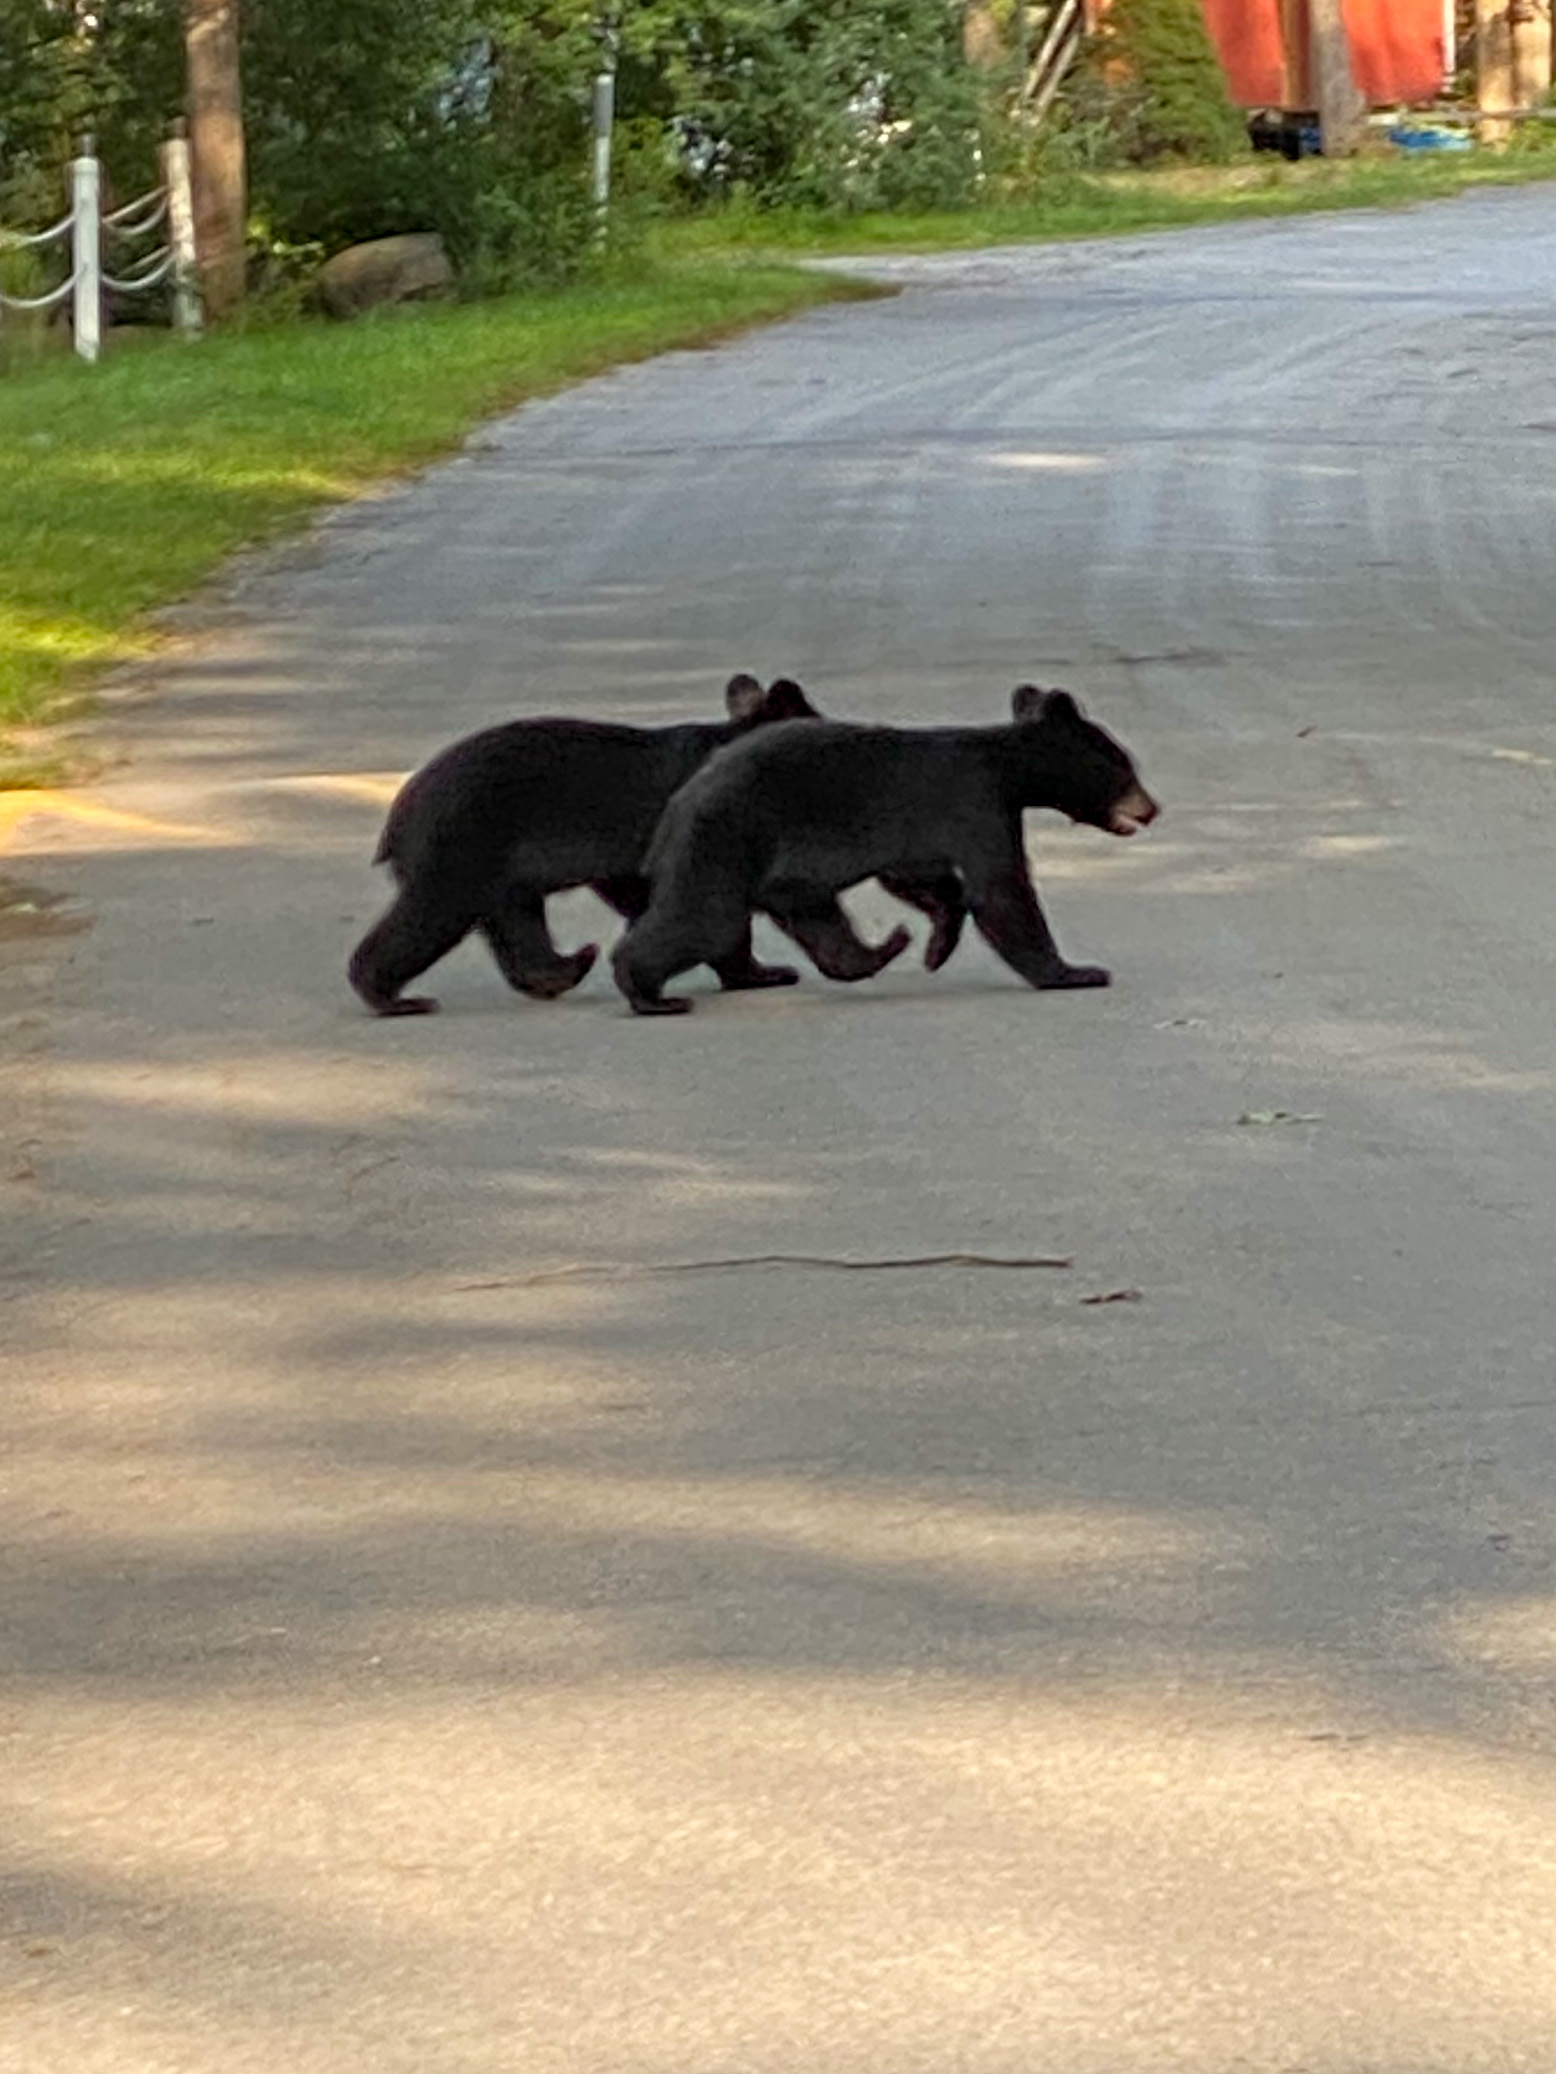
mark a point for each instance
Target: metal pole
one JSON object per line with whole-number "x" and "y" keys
{"x": 187, "y": 315}
{"x": 604, "y": 116}
{"x": 86, "y": 248}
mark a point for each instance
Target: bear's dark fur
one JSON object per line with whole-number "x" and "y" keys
{"x": 481, "y": 834}
{"x": 785, "y": 822}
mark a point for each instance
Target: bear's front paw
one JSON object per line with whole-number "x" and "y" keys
{"x": 643, "y": 1004}
{"x": 1077, "y": 976}
{"x": 750, "y": 976}
{"x": 894, "y": 946}
{"x": 551, "y": 982}
{"x": 943, "y": 939}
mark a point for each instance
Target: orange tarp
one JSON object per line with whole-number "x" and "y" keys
{"x": 1247, "y": 33}
{"x": 1397, "y": 49}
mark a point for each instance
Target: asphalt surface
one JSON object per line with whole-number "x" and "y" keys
{"x": 419, "y": 1659}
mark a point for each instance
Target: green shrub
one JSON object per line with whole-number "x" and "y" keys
{"x": 1152, "y": 75}
{"x": 826, "y": 104}
{"x": 24, "y": 334}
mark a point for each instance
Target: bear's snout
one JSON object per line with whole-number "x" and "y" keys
{"x": 1136, "y": 810}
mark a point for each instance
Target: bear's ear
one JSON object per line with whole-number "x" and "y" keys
{"x": 786, "y": 701}
{"x": 743, "y": 696}
{"x": 1028, "y": 703}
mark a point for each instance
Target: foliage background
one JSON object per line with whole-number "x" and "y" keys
{"x": 470, "y": 116}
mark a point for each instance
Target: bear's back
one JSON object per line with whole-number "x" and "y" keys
{"x": 824, "y": 797}
{"x": 536, "y": 781}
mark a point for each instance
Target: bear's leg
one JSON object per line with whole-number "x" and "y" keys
{"x": 517, "y": 936}
{"x": 628, "y": 895}
{"x": 415, "y": 933}
{"x": 646, "y": 957}
{"x": 641, "y": 976}
{"x": 737, "y": 972}
{"x": 943, "y": 899}
{"x": 1011, "y": 921}
{"x": 703, "y": 929}
{"x": 823, "y": 932}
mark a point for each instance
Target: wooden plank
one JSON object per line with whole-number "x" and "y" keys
{"x": 1341, "y": 109}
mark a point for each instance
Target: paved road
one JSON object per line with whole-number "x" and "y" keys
{"x": 422, "y": 1666}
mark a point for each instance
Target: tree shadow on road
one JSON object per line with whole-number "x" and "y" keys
{"x": 652, "y": 1669}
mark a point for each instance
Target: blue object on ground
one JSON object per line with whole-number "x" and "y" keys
{"x": 1431, "y": 140}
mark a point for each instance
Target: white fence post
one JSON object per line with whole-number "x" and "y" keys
{"x": 604, "y": 116}
{"x": 86, "y": 202}
{"x": 89, "y": 231}
{"x": 187, "y": 315}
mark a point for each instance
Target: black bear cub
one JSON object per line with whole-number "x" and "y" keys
{"x": 481, "y": 834}
{"x": 788, "y": 820}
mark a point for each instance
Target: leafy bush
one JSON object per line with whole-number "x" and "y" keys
{"x": 123, "y": 81}
{"x": 827, "y": 104}
{"x": 367, "y": 117}
{"x": 342, "y": 118}
{"x": 470, "y": 117}
{"x": 24, "y": 334}
{"x": 1151, "y": 79}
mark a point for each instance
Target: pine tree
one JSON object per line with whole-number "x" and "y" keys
{"x": 1159, "y": 53}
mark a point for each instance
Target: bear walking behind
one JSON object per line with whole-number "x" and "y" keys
{"x": 787, "y": 820}
{"x": 481, "y": 834}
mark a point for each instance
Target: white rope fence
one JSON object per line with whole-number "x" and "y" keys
{"x": 168, "y": 208}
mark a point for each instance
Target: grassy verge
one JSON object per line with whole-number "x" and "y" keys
{"x": 129, "y": 482}
{"x": 1115, "y": 204}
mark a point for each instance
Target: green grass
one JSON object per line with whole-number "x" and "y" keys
{"x": 128, "y": 483}
{"x": 1117, "y": 204}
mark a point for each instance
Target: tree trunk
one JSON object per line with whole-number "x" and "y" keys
{"x": 1493, "y": 69}
{"x": 1341, "y": 109}
{"x": 981, "y": 45}
{"x": 1530, "y": 24}
{"x": 216, "y": 151}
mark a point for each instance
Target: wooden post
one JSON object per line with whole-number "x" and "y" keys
{"x": 216, "y": 144}
{"x": 1493, "y": 70}
{"x": 181, "y": 232}
{"x": 1341, "y": 109}
{"x": 1530, "y": 26}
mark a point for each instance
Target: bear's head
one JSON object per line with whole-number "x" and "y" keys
{"x": 750, "y": 706}
{"x": 1076, "y": 766}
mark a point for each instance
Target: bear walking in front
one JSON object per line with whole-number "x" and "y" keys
{"x": 786, "y": 821}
